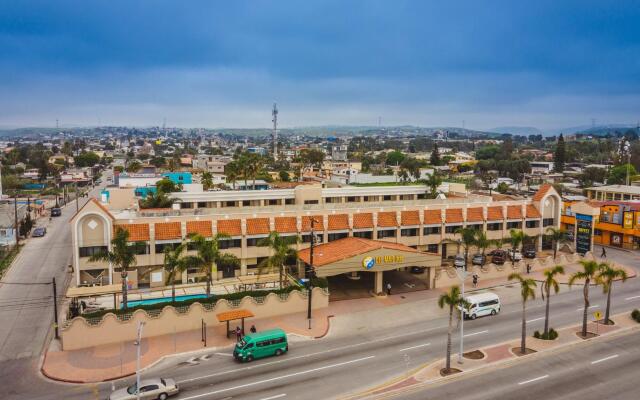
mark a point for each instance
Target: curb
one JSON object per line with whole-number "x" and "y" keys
{"x": 326, "y": 331}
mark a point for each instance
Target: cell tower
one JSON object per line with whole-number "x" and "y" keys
{"x": 274, "y": 113}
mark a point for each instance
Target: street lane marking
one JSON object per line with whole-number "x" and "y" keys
{"x": 535, "y": 319}
{"x": 224, "y": 354}
{"x": 197, "y": 396}
{"x": 533, "y": 380}
{"x": 415, "y": 347}
{"x": 275, "y": 397}
{"x": 476, "y": 333}
{"x": 582, "y": 308}
{"x": 632, "y": 298}
{"x": 604, "y": 359}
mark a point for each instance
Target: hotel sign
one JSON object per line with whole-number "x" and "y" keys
{"x": 370, "y": 262}
{"x": 583, "y": 233}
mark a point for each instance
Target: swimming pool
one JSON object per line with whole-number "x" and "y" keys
{"x": 164, "y": 300}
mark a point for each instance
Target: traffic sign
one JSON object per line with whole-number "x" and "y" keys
{"x": 597, "y": 315}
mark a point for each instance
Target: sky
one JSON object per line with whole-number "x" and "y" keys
{"x": 213, "y": 64}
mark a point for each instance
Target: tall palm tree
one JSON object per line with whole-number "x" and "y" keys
{"x": 207, "y": 180}
{"x": 516, "y": 238}
{"x": 232, "y": 170}
{"x": 557, "y": 236}
{"x": 589, "y": 273}
{"x": 527, "y": 292}
{"x": 122, "y": 256}
{"x": 606, "y": 276}
{"x": 173, "y": 264}
{"x": 433, "y": 181}
{"x": 453, "y": 299}
{"x": 281, "y": 250}
{"x": 208, "y": 254}
{"x": 481, "y": 241}
{"x": 467, "y": 239}
{"x": 549, "y": 283}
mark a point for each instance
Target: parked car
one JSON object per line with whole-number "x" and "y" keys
{"x": 479, "y": 259}
{"x": 56, "y": 212}
{"x": 530, "y": 253}
{"x": 39, "y": 232}
{"x": 515, "y": 255}
{"x": 158, "y": 388}
{"x": 417, "y": 270}
{"x": 499, "y": 257}
{"x": 459, "y": 261}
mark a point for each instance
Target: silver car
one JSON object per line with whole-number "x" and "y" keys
{"x": 149, "y": 389}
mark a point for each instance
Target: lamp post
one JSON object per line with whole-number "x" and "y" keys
{"x": 310, "y": 272}
{"x": 462, "y": 274}
{"x": 138, "y": 343}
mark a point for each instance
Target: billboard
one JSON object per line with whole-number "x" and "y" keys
{"x": 583, "y": 233}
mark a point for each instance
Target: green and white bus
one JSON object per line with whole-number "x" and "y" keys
{"x": 263, "y": 344}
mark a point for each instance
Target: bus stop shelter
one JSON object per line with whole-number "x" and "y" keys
{"x": 233, "y": 315}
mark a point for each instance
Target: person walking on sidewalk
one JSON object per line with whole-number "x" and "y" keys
{"x": 604, "y": 253}
{"x": 475, "y": 280}
{"x": 528, "y": 268}
{"x": 238, "y": 334}
{"x": 388, "y": 288}
{"x": 253, "y": 329}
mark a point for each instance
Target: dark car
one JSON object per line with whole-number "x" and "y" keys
{"x": 529, "y": 253}
{"x": 418, "y": 270}
{"x": 39, "y": 232}
{"x": 56, "y": 212}
{"x": 499, "y": 257}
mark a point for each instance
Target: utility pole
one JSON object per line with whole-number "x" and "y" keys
{"x": 310, "y": 272}
{"x": 274, "y": 113}
{"x": 55, "y": 308}
{"x": 15, "y": 216}
{"x": 138, "y": 343}
{"x": 462, "y": 275}
{"x": 77, "y": 197}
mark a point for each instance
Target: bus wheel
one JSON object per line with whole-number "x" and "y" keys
{"x": 493, "y": 312}
{"x": 279, "y": 352}
{"x": 249, "y": 359}
{"x": 473, "y": 316}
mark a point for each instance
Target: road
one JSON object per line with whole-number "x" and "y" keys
{"x": 605, "y": 369}
{"x": 334, "y": 366}
{"x": 26, "y": 308}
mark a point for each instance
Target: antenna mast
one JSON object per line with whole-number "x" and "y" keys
{"x": 274, "y": 113}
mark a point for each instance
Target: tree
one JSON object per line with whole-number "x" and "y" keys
{"x": 557, "y": 236}
{"x": 166, "y": 185}
{"x": 591, "y": 175}
{"x": 157, "y": 161}
{"x": 516, "y": 238}
{"x": 502, "y": 188}
{"x": 618, "y": 174}
{"x": 435, "y": 156}
{"x": 559, "y": 156}
{"x": 281, "y": 251}
{"x": 433, "y": 181}
{"x": 133, "y": 166}
{"x": 122, "y": 256}
{"x": 86, "y": 159}
{"x": 481, "y": 241}
{"x": 549, "y": 283}
{"x": 606, "y": 276}
{"x": 311, "y": 157}
{"x": 467, "y": 239}
{"x": 208, "y": 255}
{"x": 589, "y": 273}
{"x": 527, "y": 292}
{"x": 232, "y": 170}
{"x": 284, "y": 176}
{"x": 173, "y": 264}
{"x": 394, "y": 157}
{"x": 207, "y": 180}
{"x": 157, "y": 199}
{"x": 453, "y": 299}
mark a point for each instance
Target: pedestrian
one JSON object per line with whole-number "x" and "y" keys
{"x": 475, "y": 280}
{"x": 253, "y": 329}
{"x": 388, "y": 289}
{"x": 528, "y": 268}
{"x": 238, "y": 333}
{"x": 604, "y": 253}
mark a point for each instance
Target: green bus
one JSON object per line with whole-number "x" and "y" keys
{"x": 263, "y": 344}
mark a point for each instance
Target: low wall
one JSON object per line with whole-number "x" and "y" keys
{"x": 78, "y": 333}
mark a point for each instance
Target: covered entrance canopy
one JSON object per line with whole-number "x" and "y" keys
{"x": 365, "y": 255}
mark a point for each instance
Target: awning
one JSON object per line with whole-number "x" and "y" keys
{"x": 233, "y": 315}
{"x": 89, "y": 291}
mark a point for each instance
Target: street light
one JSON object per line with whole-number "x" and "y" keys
{"x": 462, "y": 274}
{"x": 138, "y": 343}
{"x": 310, "y": 272}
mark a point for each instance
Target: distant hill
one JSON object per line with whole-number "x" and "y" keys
{"x": 518, "y": 130}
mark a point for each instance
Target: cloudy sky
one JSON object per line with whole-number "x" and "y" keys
{"x": 540, "y": 63}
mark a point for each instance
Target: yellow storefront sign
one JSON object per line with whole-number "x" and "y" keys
{"x": 627, "y": 222}
{"x": 370, "y": 262}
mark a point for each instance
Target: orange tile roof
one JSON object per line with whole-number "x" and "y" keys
{"x": 230, "y": 227}
{"x": 202, "y": 228}
{"x": 137, "y": 232}
{"x": 233, "y": 315}
{"x": 387, "y": 219}
{"x": 286, "y": 224}
{"x": 542, "y": 191}
{"x": 432, "y": 217}
{"x": 494, "y": 214}
{"x": 338, "y": 222}
{"x": 514, "y": 212}
{"x": 168, "y": 230}
{"x": 318, "y": 225}
{"x": 410, "y": 217}
{"x": 258, "y": 226}
{"x": 103, "y": 208}
{"x": 363, "y": 220}
{"x": 475, "y": 214}
{"x": 532, "y": 212}
{"x": 454, "y": 216}
{"x": 341, "y": 249}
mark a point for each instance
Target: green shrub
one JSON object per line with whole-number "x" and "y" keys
{"x": 551, "y": 336}
{"x": 635, "y": 314}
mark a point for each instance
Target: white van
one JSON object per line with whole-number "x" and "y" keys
{"x": 482, "y": 304}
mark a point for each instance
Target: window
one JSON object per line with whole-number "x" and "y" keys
{"x": 289, "y": 201}
{"x": 352, "y": 199}
{"x": 246, "y": 203}
{"x": 547, "y": 222}
{"x": 514, "y": 225}
{"x": 422, "y": 196}
{"x": 149, "y": 388}
{"x": 363, "y": 234}
{"x": 596, "y": 232}
{"x": 432, "y": 248}
{"x": 229, "y": 203}
{"x": 477, "y": 227}
{"x": 494, "y": 226}
{"x": 386, "y": 233}
{"x": 533, "y": 224}
{"x": 307, "y": 238}
{"x": 140, "y": 247}
{"x": 229, "y": 243}
{"x": 311, "y": 202}
{"x": 92, "y": 250}
{"x": 386, "y": 198}
{"x": 253, "y": 241}
{"x": 160, "y": 247}
{"x": 452, "y": 228}
{"x": 488, "y": 303}
{"x": 432, "y": 230}
{"x": 409, "y": 232}
{"x": 336, "y": 236}
{"x": 202, "y": 204}
{"x": 273, "y": 202}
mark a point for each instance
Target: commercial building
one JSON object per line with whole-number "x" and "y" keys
{"x": 401, "y": 215}
{"x": 613, "y": 192}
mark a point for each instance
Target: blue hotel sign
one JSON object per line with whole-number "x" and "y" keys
{"x": 584, "y": 231}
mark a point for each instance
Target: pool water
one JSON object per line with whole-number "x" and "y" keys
{"x": 164, "y": 300}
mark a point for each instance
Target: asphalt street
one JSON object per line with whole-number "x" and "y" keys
{"x": 334, "y": 366}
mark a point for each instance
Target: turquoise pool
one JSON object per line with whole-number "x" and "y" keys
{"x": 164, "y": 300}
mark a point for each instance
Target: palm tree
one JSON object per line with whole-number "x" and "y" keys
{"x": 232, "y": 171}
{"x": 281, "y": 251}
{"x": 121, "y": 256}
{"x": 208, "y": 254}
{"x": 549, "y": 283}
{"x": 173, "y": 264}
{"x": 607, "y": 276}
{"x": 467, "y": 239}
{"x": 481, "y": 241}
{"x": 433, "y": 181}
{"x": 516, "y": 238}
{"x": 207, "y": 180}
{"x": 557, "y": 236}
{"x": 527, "y": 292}
{"x": 589, "y": 273}
{"x": 453, "y": 299}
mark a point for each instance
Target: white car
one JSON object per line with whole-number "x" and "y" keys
{"x": 459, "y": 262}
{"x": 157, "y": 388}
{"x": 515, "y": 255}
